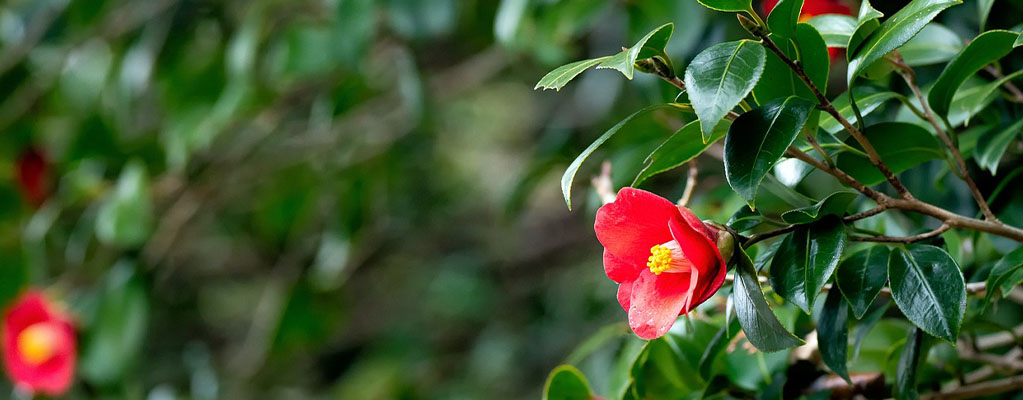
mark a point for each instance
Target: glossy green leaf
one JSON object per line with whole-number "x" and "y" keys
{"x": 718, "y": 343}
{"x": 684, "y": 145}
{"x": 126, "y": 216}
{"x": 934, "y": 44}
{"x": 805, "y": 261}
{"x": 758, "y": 139}
{"x": 983, "y": 50}
{"x": 895, "y": 32}
{"x": 928, "y": 287}
{"x": 720, "y": 77}
{"x": 992, "y": 146}
{"x": 862, "y": 276}
{"x": 650, "y": 45}
{"x": 866, "y": 23}
{"x": 759, "y": 323}
{"x": 745, "y": 219}
{"x": 566, "y": 383}
{"x": 118, "y": 330}
{"x": 868, "y": 99}
{"x": 833, "y": 334}
{"x": 905, "y": 376}
{"x": 808, "y": 47}
{"x": 867, "y": 322}
{"x": 728, "y": 5}
{"x": 867, "y": 12}
{"x": 836, "y": 29}
{"x": 1004, "y": 269}
{"x": 835, "y": 204}
{"x": 1019, "y": 41}
{"x": 901, "y": 146}
{"x": 970, "y": 101}
{"x": 560, "y": 76}
{"x": 569, "y": 176}
{"x": 784, "y": 16}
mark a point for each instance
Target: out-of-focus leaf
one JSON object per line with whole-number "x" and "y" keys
{"x": 1002, "y": 271}
{"x": 758, "y": 139}
{"x": 569, "y": 176}
{"x": 894, "y": 32}
{"x": 868, "y": 99}
{"x": 650, "y": 45}
{"x": 684, "y": 145}
{"x": 970, "y": 101}
{"x": 934, "y": 44}
{"x": 833, "y": 334}
{"x": 992, "y": 146}
{"x": 901, "y": 145}
{"x": 928, "y": 287}
{"x": 566, "y": 383}
{"x": 834, "y": 28}
{"x": 867, "y": 323}
{"x": 728, "y": 5}
{"x": 116, "y": 334}
{"x": 861, "y": 277}
{"x": 720, "y": 77}
{"x": 905, "y": 380}
{"x": 806, "y": 260}
{"x": 718, "y": 343}
{"x": 125, "y": 218}
{"x": 784, "y": 16}
{"x": 983, "y": 50}
{"x": 761, "y": 326}
{"x": 983, "y": 10}
{"x": 835, "y": 204}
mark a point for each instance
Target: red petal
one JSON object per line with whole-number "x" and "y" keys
{"x": 694, "y": 239}
{"x": 633, "y": 223}
{"x": 657, "y": 300}
{"x": 813, "y": 8}
{"x": 621, "y": 270}
{"x": 767, "y": 6}
{"x": 52, "y": 377}
{"x": 625, "y": 295}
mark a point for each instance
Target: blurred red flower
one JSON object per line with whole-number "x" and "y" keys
{"x": 813, "y": 8}
{"x": 38, "y": 345}
{"x": 33, "y": 176}
{"x": 664, "y": 258}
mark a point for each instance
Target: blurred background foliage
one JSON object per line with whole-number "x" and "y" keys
{"x": 328, "y": 198}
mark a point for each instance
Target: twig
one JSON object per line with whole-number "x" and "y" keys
{"x": 1017, "y": 95}
{"x": 910, "y": 77}
{"x": 826, "y": 105}
{"x": 604, "y": 185}
{"x": 980, "y": 389}
{"x": 907, "y": 239}
{"x": 687, "y": 193}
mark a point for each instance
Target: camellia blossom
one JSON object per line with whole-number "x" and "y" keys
{"x": 813, "y": 8}
{"x": 38, "y": 345}
{"x": 33, "y": 176}
{"x": 664, "y": 258}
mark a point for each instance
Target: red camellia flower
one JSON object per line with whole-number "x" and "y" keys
{"x": 813, "y": 8}
{"x": 38, "y": 345}
{"x": 33, "y": 176}
{"x": 664, "y": 258}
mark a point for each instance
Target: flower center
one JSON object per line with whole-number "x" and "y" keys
{"x": 38, "y": 343}
{"x": 667, "y": 257}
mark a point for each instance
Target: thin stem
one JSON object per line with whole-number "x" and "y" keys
{"x": 687, "y": 194}
{"x": 980, "y": 389}
{"x": 910, "y": 77}
{"x": 1017, "y": 95}
{"x": 826, "y": 105}
{"x": 907, "y": 239}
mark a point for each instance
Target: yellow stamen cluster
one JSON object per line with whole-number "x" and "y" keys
{"x": 37, "y": 343}
{"x": 660, "y": 259}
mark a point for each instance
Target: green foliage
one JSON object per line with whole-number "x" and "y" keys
{"x": 835, "y": 204}
{"x": 651, "y": 45}
{"x": 862, "y": 276}
{"x": 566, "y": 383}
{"x": 981, "y": 51}
{"x": 805, "y": 261}
{"x": 833, "y": 333}
{"x": 761, "y": 326}
{"x": 681, "y": 147}
{"x": 894, "y": 32}
{"x": 720, "y": 77}
{"x": 901, "y": 146}
{"x": 928, "y": 287}
{"x": 784, "y": 16}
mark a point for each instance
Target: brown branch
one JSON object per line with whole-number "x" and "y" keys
{"x": 826, "y": 105}
{"x": 603, "y": 184}
{"x": 910, "y": 77}
{"x": 907, "y": 239}
{"x": 687, "y": 193}
{"x": 980, "y": 389}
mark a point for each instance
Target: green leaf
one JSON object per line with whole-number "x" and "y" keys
{"x": 1002, "y": 271}
{"x": 972, "y": 100}
{"x": 651, "y": 45}
{"x": 867, "y": 323}
{"x": 1019, "y": 41}
{"x": 866, "y": 23}
{"x": 868, "y": 99}
{"x": 720, "y": 77}
{"x": 992, "y": 146}
{"x": 560, "y": 76}
{"x": 805, "y": 261}
{"x": 901, "y": 145}
{"x": 836, "y": 29}
{"x": 728, "y": 5}
{"x": 833, "y": 334}
{"x": 745, "y": 219}
{"x": 762, "y": 328}
{"x": 684, "y": 145}
{"x": 928, "y": 287}
{"x": 808, "y": 47}
{"x": 566, "y": 383}
{"x": 905, "y": 379}
{"x": 835, "y": 204}
{"x": 983, "y": 50}
{"x": 862, "y": 276}
{"x": 758, "y": 139}
{"x": 784, "y": 17}
{"x": 934, "y": 44}
{"x": 116, "y": 335}
{"x": 983, "y": 10}
{"x": 895, "y": 32}
{"x": 125, "y": 218}
{"x": 718, "y": 343}
{"x": 569, "y": 176}
{"x": 867, "y": 12}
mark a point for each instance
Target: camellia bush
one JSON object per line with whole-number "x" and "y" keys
{"x": 864, "y": 259}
